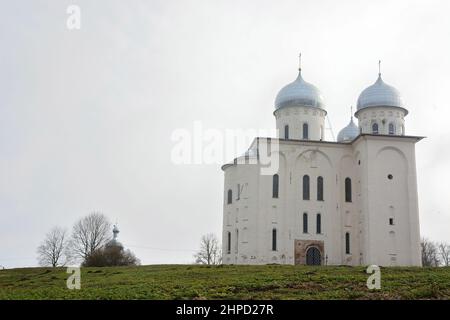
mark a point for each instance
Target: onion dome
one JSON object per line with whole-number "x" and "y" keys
{"x": 299, "y": 94}
{"x": 349, "y": 133}
{"x": 380, "y": 94}
{"x": 251, "y": 153}
{"x": 113, "y": 242}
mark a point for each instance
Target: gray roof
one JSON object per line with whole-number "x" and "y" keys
{"x": 349, "y": 133}
{"x": 299, "y": 93}
{"x": 380, "y": 94}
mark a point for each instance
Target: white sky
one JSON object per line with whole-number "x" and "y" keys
{"x": 86, "y": 116}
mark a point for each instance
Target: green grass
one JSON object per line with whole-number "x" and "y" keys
{"x": 225, "y": 282}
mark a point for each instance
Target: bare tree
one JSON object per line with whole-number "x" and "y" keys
{"x": 430, "y": 256}
{"x": 89, "y": 234}
{"x": 444, "y": 253}
{"x": 210, "y": 252}
{"x": 51, "y": 252}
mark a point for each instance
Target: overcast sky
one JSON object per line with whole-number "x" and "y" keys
{"x": 86, "y": 116}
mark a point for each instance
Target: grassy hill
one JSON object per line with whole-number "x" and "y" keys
{"x": 225, "y": 282}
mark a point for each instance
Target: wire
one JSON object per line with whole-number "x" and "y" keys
{"x": 330, "y": 127}
{"x": 160, "y": 249}
{"x": 15, "y": 259}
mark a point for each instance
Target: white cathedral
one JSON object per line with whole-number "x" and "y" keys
{"x": 350, "y": 202}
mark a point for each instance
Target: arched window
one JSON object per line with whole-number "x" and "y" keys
{"x": 228, "y": 242}
{"x": 348, "y": 190}
{"x": 305, "y": 187}
{"x": 305, "y": 131}
{"x": 286, "y": 132}
{"x": 320, "y": 189}
{"x": 274, "y": 239}
{"x": 391, "y": 128}
{"x": 305, "y": 223}
{"x": 375, "y": 128}
{"x": 347, "y": 243}
{"x": 275, "y": 186}
{"x": 318, "y": 224}
{"x": 230, "y": 197}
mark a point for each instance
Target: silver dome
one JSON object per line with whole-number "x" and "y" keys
{"x": 349, "y": 133}
{"x": 249, "y": 154}
{"x": 379, "y": 94}
{"x": 299, "y": 93}
{"x": 113, "y": 242}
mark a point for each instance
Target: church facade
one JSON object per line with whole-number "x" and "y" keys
{"x": 352, "y": 201}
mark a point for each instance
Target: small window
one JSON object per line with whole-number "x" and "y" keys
{"x": 238, "y": 191}
{"x": 391, "y": 221}
{"x": 390, "y": 176}
{"x": 318, "y": 224}
{"x": 305, "y": 223}
{"x": 347, "y": 243}
{"x": 391, "y": 129}
{"x": 275, "y": 186}
{"x": 230, "y": 197}
{"x": 274, "y": 239}
{"x": 305, "y": 187}
{"x": 320, "y": 189}
{"x": 237, "y": 241}
{"x": 229, "y": 242}
{"x": 348, "y": 190}
{"x": 305, "y": 131}
{"x": 286, "y": 132}
{"x": 375, "y": 128}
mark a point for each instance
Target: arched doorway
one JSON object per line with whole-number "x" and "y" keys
{"x": 313, "y": 257}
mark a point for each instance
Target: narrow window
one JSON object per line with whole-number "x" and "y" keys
{"x": 237, "y": 241}
{"x": 274, "y": 239}
{"x": 305, "y": 187}
{"x": 305, "y": 223}
{"x": 320, "y": 189}
{"x": 230, "y": 197}
{"x": 238, "y": 191}
{"x": 275, "y": 186}
{"x": 375, "y": 128}
{"x": 286, "y": 132}
{"x": 229, "y": 242}
{"x": 347, "y": 243}
{"x": 391, "y": 221}
{"x": 305, "y": 131}
{"x": 391, "y": 128}
{"x": 348, "y": 190}
{"x": 318, "y": 224}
